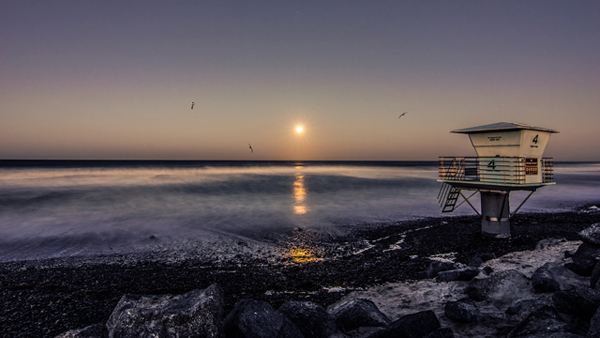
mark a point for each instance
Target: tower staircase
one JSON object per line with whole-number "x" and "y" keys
{"x": 448, "y": 195}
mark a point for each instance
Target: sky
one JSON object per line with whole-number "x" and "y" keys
{"x": 115, "y": 79}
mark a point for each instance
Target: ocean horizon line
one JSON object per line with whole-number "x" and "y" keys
{"x": 58, "y": 163}
{"x": 8, "y": 163}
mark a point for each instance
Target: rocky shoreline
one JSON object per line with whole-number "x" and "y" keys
{"x": 47, "y": 298}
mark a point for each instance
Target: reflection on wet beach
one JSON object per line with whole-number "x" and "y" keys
{"x": 299, "y": 254}
{"x": 301, "y": 247}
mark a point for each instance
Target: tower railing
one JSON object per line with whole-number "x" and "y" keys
{"x": 496, "y": 170}
{"x": 548, "y": 169}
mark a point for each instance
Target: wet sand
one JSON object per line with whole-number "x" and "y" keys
{"x": 47, "y": 297}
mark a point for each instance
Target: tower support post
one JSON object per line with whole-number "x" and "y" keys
{"x": 495, "y": 214}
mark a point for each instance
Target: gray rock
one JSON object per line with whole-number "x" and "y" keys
{"x": 463, "y": 310}
{"x": 479, "y": 259}
{"x": 591, "y": 234}
{"x": 581, "y": 302}
{"x": 434, "y": 268}
{"x": 544, "y": 321}
{"x": 487, "y": 270}
{"x": 501, "y": 288}
{"x": 521, "y": 309}
{"x": 486, "y": 256}
{"x": 311, "y": 319}
{"x": 440, "y": 333}
{"x": 543, "y": 279}
{"x": 584, "y": 259}
{"x": 257, "y": 319}
{"x": 594, "y": 331}
{"x": 475, "y": 262}
{"x": 94, "y": 331}
{"x": 458, "y": 275}
{"x": 553, "y": 277}
{"x": 195, "y": 314}
{"x": 415, "y": 325}
{"x": 353, "y": 313}
{"x": 595, "y": 277}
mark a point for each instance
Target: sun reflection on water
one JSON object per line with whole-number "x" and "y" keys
{"x": 300, "y": 194}
{"x": 299, "y": 250}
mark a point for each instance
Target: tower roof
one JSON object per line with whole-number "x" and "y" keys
{"x": 501, "y": 126}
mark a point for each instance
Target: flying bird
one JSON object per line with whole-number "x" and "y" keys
{"x": 251, "y": 150}
{"x": 193, "y": 104}
{"x": 402, "y": 115}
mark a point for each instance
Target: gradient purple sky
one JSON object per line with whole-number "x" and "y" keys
{"x": 115, "y": 79}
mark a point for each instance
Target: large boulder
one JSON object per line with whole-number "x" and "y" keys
{"x": 415, "y": 325}
{"x": 94, "y": 331}
{"x": 552, "y": 277}
{"x": 543, "y": 321}
{"x": 311, "y": 319}
{"x": 594, "y": 331}
{"x": 521, "y": 309}
{"x": 257, "y": 319}
{"x": 595, "y": 277}
{"x": 584, "y": 259}
{"x": 591, "y": 234}
{"x": 580, "y": 302}
{"x": 195, "y": 314}
{"x": 501, "y": 289}
{"x": 463, "y": 310}
{"x": 353, "y": 313}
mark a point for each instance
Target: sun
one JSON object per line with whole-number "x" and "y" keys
{"x": 299, "y": 129}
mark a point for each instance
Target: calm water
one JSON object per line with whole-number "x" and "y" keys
{"x": 67, "y": 208}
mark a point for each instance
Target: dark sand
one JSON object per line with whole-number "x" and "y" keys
{"x": 46, "y": 298}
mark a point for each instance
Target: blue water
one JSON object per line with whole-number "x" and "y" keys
{"x": 72, "y": 208}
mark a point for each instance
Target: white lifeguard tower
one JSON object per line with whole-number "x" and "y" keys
{"x": 509, "y": 158}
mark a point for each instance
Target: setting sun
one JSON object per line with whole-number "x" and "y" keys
{"x": 299, "y": 129}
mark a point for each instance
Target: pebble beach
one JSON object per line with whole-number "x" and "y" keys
{"x": 44, "y": 298}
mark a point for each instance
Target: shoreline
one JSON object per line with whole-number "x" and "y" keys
{"x": 47, "y": 297}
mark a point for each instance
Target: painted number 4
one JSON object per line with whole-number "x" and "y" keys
{"x": 492, "y": 165}
{"x": 535, "y": 139}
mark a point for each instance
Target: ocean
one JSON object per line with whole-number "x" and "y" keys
{"x": 51, "y": 209}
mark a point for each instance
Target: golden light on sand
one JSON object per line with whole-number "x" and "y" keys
{"x": 299, "y": 129}
{"x": 302, "y": 255}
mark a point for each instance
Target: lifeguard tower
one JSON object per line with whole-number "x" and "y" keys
{"x": 509, "y": 158}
